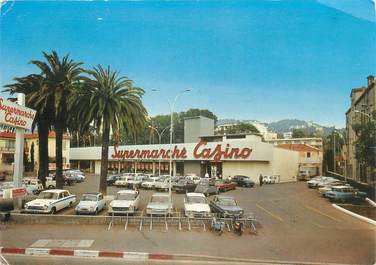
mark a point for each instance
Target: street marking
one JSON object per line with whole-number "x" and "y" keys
{"x": 62, "y": 243}
{"x": 320, "y": 212}
{"x": 40, "y": 243}
{"x": 318, "y": 225}
{"x": 270, "y": 213}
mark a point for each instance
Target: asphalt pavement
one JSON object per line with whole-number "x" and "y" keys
{"x": 295, "y": 224}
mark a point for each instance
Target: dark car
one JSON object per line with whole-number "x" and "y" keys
{"x": 3, "y": 175}
{"x": 226, "y": 206}
{"x": 243, "y": 181}
{"x": 206, "y": 187}
{"x": 111, "y": 179}
{"x": 185, "y": 185}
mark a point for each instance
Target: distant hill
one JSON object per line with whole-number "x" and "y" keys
{"x": 287, "y": 125}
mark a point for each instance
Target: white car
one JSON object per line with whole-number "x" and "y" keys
{"x": 162, "y": 185}
{"x": 160, "y": 204}
{"x": 328, "y": 187}
{"x": 319, "y": 179}
{"x": 123, "y": 181}
{"x": 33, "y": 185}
{"x": 136, "y": 181}
{"x": 126, "y": 201}
{"x": 269, "y": 179}
{"x": 196, "y": 205}
{"x": 91, "y": 203}
{"x": 50, "y": 201}
{"x": 149, "y": 183}
{"x": 50, "y": 183}
{"x": 193, "y": 177}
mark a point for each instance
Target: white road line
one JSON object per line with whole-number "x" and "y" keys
{"x": 85, "y": 243}
{"x": 40, "y": 243}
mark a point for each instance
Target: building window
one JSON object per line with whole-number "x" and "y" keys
{"x": 308, "y": 154}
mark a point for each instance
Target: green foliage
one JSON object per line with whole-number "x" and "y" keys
{"x": 240, "y": 128}
{"x": 298, "y": 133}
{"x": 365, "y": 145}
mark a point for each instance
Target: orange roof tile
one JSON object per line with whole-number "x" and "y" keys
{"x": 298, "y": 147}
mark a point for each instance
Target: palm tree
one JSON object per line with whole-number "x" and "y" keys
{"x": 111, "y": 103}
{"x": 32, "y": 87}
{"x": 59, "y": 79}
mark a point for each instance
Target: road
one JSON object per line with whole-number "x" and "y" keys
{"x": 296, "y": 224}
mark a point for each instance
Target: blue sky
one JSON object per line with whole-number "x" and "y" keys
{"x": 264, "y": 60}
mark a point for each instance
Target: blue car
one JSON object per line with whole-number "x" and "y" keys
{"x": 344, "y": 194}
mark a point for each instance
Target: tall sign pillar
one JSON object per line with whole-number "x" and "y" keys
{"x": 18, "y": 155}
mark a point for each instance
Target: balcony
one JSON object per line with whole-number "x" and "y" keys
{"x": 310, "y": 160}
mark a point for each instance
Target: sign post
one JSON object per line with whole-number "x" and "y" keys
{"x": 20, "y": 117}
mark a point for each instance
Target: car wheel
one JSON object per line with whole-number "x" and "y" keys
{"x": 96, "y": 211}
{"x": 70, "y": 204}
{"x": 53, "y": 210}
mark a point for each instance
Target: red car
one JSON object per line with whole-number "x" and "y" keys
{"x": 225, "y": 185}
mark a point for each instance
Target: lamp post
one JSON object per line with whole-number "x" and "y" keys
{"x": 172, "y": 106}
{"x": 160, "y": 134}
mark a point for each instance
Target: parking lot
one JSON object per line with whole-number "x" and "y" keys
{"x": 295, "y": 223}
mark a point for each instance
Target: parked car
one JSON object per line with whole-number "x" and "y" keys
{"x": 160, "y": 204}
{"x": 206, "y": 187}
{"x": 50, "y": 183}
{"x": 269, "y": 179}
{"x": 74, "y": 175}
{"x": 149, "y": 183}
{"x": 225, "y": 185}
{"x": 4, "y": 186}
{"x": 91, "y": 203}
{"x": 314, "y": 182}
{"x": 196, "y": 205}
{"x": 328, "y": 187}
{"x": 33, "y": 185}
{"x": 196, "y": 179}
{"x": 136, "y": 181}
{"x": 226, "y": 206}
{"x": 344, "y": 194}
{"x": 123, "y": 181}
{"x": 162, "y": 184}
{"x": 243, "y": 181}
{"x": 111, "y": 179}
{"x": 125, "y": 202}
{"x": 3, "y": 175}
{"x": 185, "y": 185}
{"x": 50, "y": 201}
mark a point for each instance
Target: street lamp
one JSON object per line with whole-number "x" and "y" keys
{"x": 160, "y": 134}
{"x": 172, "y": 105}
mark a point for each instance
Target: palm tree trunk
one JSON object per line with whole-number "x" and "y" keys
{"x": 43, "y": 151}
{"x": 59, "y": 156}
{"x": 104, "y": 161}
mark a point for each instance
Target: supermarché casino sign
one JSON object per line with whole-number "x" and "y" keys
{"x": 14, "y": 115}
{"x": 200, "y": 151}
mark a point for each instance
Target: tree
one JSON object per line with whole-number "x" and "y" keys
{"x": 112, "y": 103}
{"x": 59, "y": 78}
{"x": 240, "y": 128}
{"x": 33, "y": 87}
{"x": 365, "y": 145}
{"x": 298, "y": 133}
{"x": 32, "y": 160}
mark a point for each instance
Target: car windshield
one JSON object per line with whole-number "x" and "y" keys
{"x": 126, "y": 196}
{"x": 48, "y": 195}
{"x": 161, "y": 199}
{"x": 227, "y": 202}
{"x": 89, "y": 197}
{"x": 196, "y": 199}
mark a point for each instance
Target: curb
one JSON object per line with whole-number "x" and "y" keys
{"x": 142, "y": 256}
{"x": 371, "y": 202}
{"x": 365, "y": 219}
{"x": 131, "y": 256}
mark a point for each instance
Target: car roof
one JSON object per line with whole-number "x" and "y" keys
{"x": 127, "y": 191}
{"x": 198, "y": 194}
{"x": 341, "y": 187}
{"x": 54, "y": 190}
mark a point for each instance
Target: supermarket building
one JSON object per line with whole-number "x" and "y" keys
{"x": 202, "y": 152}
